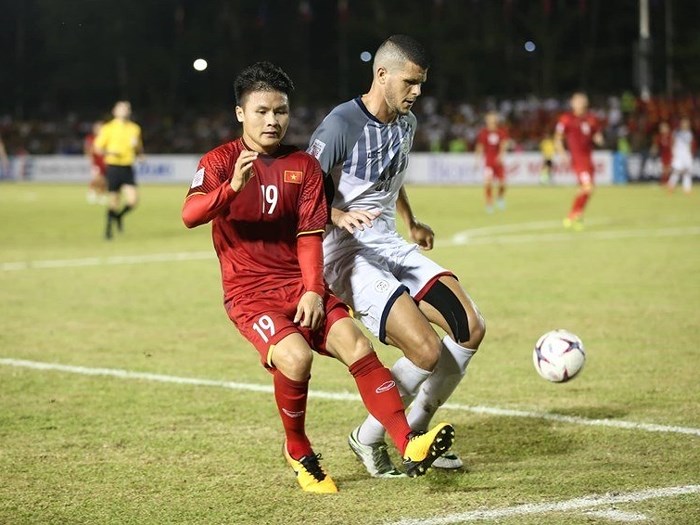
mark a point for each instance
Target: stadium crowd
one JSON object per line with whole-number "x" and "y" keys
{"x": 629, "y": 124}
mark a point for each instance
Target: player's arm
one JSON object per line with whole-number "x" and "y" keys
{"x": 313, "y": 216}
{"x": 598, "y": 139}
{"x": 208, "y": 197}
{"x": 422, "y": 234}
{"x": 503, "y": 147}
{"x": 310, "y": 311}
{"x": 479, "y": 148}
{"x": 139, "y": 144}
{"x": 100, "y": 142}
{"x": 559, "y": 138}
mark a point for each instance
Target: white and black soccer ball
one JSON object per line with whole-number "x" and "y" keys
{"x": 558, "y": 356}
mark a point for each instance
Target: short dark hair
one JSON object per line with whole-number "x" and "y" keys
{"x": 410, "y": 48}
{"x": 262, "y": 76}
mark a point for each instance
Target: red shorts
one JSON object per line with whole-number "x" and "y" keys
{"x": 495, "y": 170}
{"x": 265, "y": 318}
{"x": 585, "y": 172}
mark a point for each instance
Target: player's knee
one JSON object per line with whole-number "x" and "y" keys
{"x": 477, "y": 332}
{"x": 426, "y": 351}
{"x": 294, "y": 362}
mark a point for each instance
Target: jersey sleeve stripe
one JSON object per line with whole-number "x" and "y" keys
{"x": 195, "y": 193}
{"x": 311, "y": 232}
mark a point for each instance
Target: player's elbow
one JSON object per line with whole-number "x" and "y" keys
{"x": 189, "y": 219}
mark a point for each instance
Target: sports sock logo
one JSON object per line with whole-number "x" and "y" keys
{"x": 293, "y": 414}
{"x": 385, "y": 387}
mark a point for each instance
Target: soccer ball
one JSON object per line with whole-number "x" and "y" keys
{"x": 558, "y": 356}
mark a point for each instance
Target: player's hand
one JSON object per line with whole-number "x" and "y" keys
{"x": 243, "y": 170}
{"x": 354, "y": 219}
{"x": 422, "y": 234}
{"x": 310, "y": 311}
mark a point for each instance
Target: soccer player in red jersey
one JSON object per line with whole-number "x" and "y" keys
{"x": 661, "y": 146}
{"x": 268, "y": 211}
{"x": 581, "y": 130}
{"x": 491, "y": 144}
{"x": 97, "y": 186}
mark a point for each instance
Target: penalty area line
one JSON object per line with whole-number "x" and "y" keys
{"x": 576, "y": 504}
{"x": 342, "y": 396}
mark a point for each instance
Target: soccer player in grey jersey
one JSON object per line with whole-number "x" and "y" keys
{"x": 395, "y": 290}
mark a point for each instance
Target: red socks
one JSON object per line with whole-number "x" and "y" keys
{"x": 579, "y": 204}
{"x": 291, "y": 399}
{"x": 489, "y": 194}
{"x": 381, "y": 397}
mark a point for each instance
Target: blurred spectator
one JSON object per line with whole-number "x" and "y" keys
{"x": 444, "y": 125}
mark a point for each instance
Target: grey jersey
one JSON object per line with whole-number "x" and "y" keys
{"x": 366, "y": 158}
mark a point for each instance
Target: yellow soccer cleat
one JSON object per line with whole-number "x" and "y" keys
{"x": 423, "y": 449}
{"x": 575, "y": 224}
{"x": 310, "y": 473}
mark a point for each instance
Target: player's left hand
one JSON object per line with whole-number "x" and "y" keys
{"x": 422, "y": 234}
{"x": 310, "y": 311}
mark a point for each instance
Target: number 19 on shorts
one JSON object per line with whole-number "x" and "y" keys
{"x": 264, "y": 326}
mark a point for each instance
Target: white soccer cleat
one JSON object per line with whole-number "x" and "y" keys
{"x": 448, "y": 461}
{"x": 374, "y": 457}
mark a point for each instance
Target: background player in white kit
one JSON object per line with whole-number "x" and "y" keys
{"x": 394, "y": 290}
{"x": 682, "y": 150}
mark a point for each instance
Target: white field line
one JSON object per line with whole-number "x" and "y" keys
{"x": 106, "y": 261}
{"x": 514, "y": 228}
{"x": 616, "y": 515}
{"x": 529, "y": 509}
{"x": 461, "y": 239}
{"x": 344, "y": 396}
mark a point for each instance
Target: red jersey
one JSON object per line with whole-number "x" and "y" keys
{"x": 97, "y": 160}
{"x": 255, "y": 230}
{"x": 578, "y": 132}
{"x": 663, "y": 143}
{"x": 492, "y": 141}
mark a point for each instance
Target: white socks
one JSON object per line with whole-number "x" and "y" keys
{"x": 435, "y": 390}
{"x": 430, "y": 390}
{"x": 408, "y": 379}
{"x": 687, "y": 180}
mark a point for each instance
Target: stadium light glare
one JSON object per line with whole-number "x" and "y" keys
{"x": 530, "y": 46}
{"x": 200, "y": 64}
{"x": 365, "y": 56}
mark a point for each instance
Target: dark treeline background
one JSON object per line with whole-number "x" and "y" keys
{"x": 65, "y": 55}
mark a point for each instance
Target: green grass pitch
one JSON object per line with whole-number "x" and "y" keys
{"x": 89, "y": 449}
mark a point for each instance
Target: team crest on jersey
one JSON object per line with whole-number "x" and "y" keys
{"x": 317, "y": 148}
{"x": 198, "y": 179}
{"x": 294, "y": 177}
{"x": 586, "y": 128}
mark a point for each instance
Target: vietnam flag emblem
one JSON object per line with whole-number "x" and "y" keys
{"x": 295, "y": 177}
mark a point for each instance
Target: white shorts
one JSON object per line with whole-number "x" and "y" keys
{"x": 371, "y": 269}
{"x": 682, "y": 162}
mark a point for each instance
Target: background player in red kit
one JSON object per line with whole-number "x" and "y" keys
{"x": 268, "y": 211}
{"x": 663, "y": 142}
{"x": 97, "y": 187}
{"x": 491, "y": 143}
{"x": 581, "y": 130}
